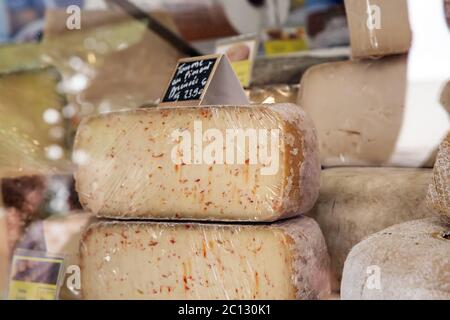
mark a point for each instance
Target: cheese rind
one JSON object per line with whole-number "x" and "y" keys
{"x": 151, "y": 163}
{"x": 150, "y": 260}
{"x": 385, "y": 31}
{"x": 357, "y": 202}
{"x": 406, "y": 261}
{"x": 359, "y": 119}
{"x": 438, "y": 197}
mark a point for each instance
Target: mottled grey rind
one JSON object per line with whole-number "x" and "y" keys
{"x": 413, "y": 259}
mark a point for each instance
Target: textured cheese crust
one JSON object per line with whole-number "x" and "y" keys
{"x": 357, "y": 202}
{"x": 130, "y": 172}
{"x": 393, "y": 35}
{"x": 149, "y": 260}
{"x": 412, "y": 260}
{"x": 359, "y": 119}
{"x": 438, "y": 197}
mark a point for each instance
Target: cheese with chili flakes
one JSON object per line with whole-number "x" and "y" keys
{"x": 138, "y": 167}
{"x": 156, "y": 260}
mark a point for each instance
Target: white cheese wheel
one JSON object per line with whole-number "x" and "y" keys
{"x": 406, "y": 261}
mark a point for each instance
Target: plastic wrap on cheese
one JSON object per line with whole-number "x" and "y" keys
{"x": 358, "y": 109}
{"x": 151, "y": 260}
{"x": 439, "y": 190}
{"x": 247, "y": 163}
{"x": 378, "y": 27}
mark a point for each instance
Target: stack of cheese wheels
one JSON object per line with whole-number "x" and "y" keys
{"x": 359, "y": 120}
{"x": 207, "y": 164}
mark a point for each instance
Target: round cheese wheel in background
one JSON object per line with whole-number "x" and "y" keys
{"x": 438, "y": 198}
{"x": 406, "y": 261}
{"x": 357, "y": 202}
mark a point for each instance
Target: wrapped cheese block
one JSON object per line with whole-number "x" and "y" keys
{"x": 360, "y": 117}
{"x": 59, "y": 235}
{"x": 257, "y": 163}
{"x": 378, "y": 27}
{"x": 404, "y": 262}
{"x": 439, "y": 191}
{"x": 150, "y": 260}
{"x": 357, "y": 202}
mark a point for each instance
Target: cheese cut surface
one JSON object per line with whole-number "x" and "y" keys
{"x": 357, "y": 202}
{"x": 439, "y": 191}
{"x": 153, "y": 163}
{"x": 385, "y": 32}
{"x": 149, "y": 260}
{"x": 406, "y": 261}
{"x": 359, "y": 119}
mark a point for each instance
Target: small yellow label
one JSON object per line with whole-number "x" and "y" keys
{"x": 35, "y": 276}
{"x": 274, "y": 47}
{"x": 243, "y": 71}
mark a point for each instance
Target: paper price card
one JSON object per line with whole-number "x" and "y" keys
{"x": 35, "y": 276}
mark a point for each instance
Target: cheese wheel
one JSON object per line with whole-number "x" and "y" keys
{"x": 151, "y": 260}
{"x": 439, "y": 191}
{"x": 378, "y": 27}
{"x": 256, "y": 163}
{"x": 406, "y": 261}
{"x": 360, "y": 117}
{"x": 357, "y": 202}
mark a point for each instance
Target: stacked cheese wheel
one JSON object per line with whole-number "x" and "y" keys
{"x": 164, "y": 181}
{"x": 360, "y": 120}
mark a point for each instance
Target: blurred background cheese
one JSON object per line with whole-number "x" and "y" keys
{"x": 32, "y": 128}
{"x": 359, "y": 118}
{"x": 19, "y": 57}
{"x": 357, "y": 202}
{"x": 59, "y": 235}
{"x": 204, "y": 261}
{"x": 439, "y": 191}
{"x": 113, "y": 62}
{"x": 409, "y": 261}
{"x": 130, "y": 170}
{"x": 384, "y": 31}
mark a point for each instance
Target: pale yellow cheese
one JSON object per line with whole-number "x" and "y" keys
{"x": 357, "y": 202}
{"x": 408, "y": 261}
{"x": 378, "y": 27}
{"x": 358, "y": 109}
{"x": 153, "y": 163}
{"x": 150, "y": 260}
